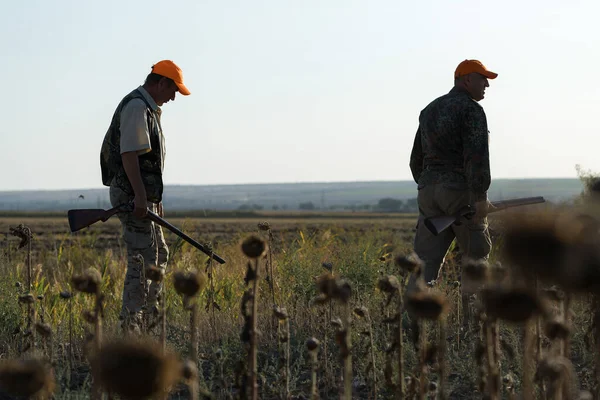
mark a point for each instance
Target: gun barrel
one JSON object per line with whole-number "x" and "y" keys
{"x": 523, "y": 201}
{"x": 154, "y": 217}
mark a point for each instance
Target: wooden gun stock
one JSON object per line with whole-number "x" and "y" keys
{"x": 79, "y": 219}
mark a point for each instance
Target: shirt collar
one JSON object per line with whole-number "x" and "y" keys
{"x": 149, "y": 99}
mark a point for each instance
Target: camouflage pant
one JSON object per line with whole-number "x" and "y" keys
{"x": 473, "y": 237}
{"x": 142, "y": 237}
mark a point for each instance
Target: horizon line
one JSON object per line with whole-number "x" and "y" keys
{"x": 274, "y": 183}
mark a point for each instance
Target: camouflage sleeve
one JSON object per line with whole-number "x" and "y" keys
{"x": 476, "y": 152}
{"x": 416, "y": 157}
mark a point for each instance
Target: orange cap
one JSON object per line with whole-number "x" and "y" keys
{"x": 469, "y": 66}
{"x": 168, "y": 69}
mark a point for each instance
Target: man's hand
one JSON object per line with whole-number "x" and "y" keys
{"x": 140, "y": 206}
{"x": 160, "y": 210}
{"x": 482, "y": 209}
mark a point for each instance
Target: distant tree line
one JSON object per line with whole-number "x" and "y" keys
{"x": 387, "y": 204}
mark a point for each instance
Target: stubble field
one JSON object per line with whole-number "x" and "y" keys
{"x": 330, "y": 315}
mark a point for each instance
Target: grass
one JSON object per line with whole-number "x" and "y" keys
{"x": 360, "y": 252}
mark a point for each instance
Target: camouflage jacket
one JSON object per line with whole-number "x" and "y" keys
{"x": 451, "y": 145}
{"x": 151, "y": 163}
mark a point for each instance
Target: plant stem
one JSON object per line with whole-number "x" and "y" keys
{"x": 254, "y": 336}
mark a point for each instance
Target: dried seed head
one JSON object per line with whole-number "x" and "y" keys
{"x": 22, "y": 232}
{"x": 45, "y": 330}
{"x": 337, "y": 323}
{"x": 155, "y": 274}
{"x": 280, "y": 313}
{"x": 511, "y": 304}
{"x": 26, "y": 298}
{"x": 498, "y": 272}
{"x": 361, "y": 311}
{"x": 328, "y": 266}
{"x": 312, "y": 344}
{"x": 552, "y": 367}
{"x": 18, "y": 284}
{"x": 26, "y": 378}
{"x": 432, "y": 387}
{"x": 554, "y": 247}
{"x": 508, "y": 381}
{"x": 189, "y": 370}
{"x": 87, "y": 282}
{"x": 188, "y": 283}
{"x": 253, "y": 247}
{"x": 557, "y": 329}
{"x": 553, "y": 294}
{"x": 40, "y": 297}
{"x": 476, "y": 270}
{"x": 135, "y": 368}
{"x": 264, "y": 226}
{"x": 334, "y": 288}
{"x": 138, "y": 259}
{"x": 89, "y": 317}
{"x": 410, "y": 263}
{"x": 388, "y": 284}
{"x": 65, "y": 295}
{"x": 426, "y": 304}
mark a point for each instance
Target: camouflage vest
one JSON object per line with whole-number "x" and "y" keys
{"x": 151, "y": 163}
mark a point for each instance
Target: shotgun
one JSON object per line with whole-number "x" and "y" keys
{"x": 79, "y": 219}
{"x": 438, "y": 224}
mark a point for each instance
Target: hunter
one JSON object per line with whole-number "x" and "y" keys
{"x": 132, "y": 161}
{"x": 450, "y": 164}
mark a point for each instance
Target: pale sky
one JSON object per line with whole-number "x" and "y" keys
{"x": 294, "y": 91}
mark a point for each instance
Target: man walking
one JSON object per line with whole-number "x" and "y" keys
{"x": 132, "y": 160}
{"x": 450, "y": 164}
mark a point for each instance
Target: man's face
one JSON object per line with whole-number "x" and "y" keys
{"x": 476, "y": 84}
{"x": 166, "y": 91}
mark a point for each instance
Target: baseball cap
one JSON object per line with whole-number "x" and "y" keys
{"x": 469, "y": 66}
{"x": 170, "y": 70}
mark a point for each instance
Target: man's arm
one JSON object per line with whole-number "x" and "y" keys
{"x": 416, "y": 157}
{"x": 135, "y": 140}
{"x": 132, "y": 169}
{"x": 476, "y": 153}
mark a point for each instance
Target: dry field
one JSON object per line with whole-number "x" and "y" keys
{"x": 329, "y": 320}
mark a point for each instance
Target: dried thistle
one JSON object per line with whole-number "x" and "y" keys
{"x": 334, "y": 288}
{"x": 361, "y": 311}
{"x": 280, "y": 313}
{"x": 426, "y": 304}
{"x": 264, "y": 226}
{"x": 89, "y": 316}
{"x": 511, "y": 304}
{"x": 476, "y": 270}
{"x": 189, "y": 371}
{"x": 557, "y": 329}
{"x": 155, "y": 274}
{"x": 388, "y": 284}
{"x": 554, "y": 247}
{"x": 253, "y": 247}
{"x": 26, "y": 378}
{"x": 87, "y": 282}
{"x": 65, "y": 295}
{"x": 26, "y": 299}
{"x": 410, "y": 263}
{"x": 45, "y": 330}
{"x": 22, "y": 232}
{"x": 188, "y": 283}
{"x": 312, "y": 344}
{"x": 135, "y": 368}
